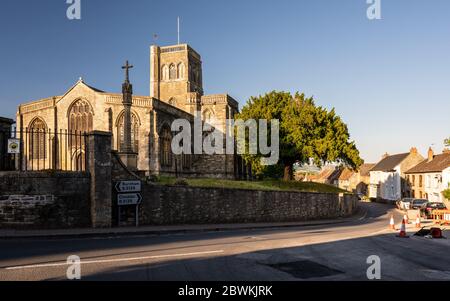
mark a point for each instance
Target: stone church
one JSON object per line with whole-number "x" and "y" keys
{"x": 176, "y": 91}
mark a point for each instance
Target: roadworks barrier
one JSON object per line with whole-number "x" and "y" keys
{"x": 441, "y": 217}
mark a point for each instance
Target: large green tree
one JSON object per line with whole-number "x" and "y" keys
{"x": 306, "y": 131}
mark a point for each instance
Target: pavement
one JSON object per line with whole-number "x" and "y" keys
{"x": 329, "y": 251}
{"x": 160, "y": 230}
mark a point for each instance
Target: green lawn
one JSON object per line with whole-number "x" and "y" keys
{"x": 271, "y": 185}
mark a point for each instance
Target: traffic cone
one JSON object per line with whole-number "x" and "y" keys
{"x": 392, "y": 223}
{"x": 405, "y": 218}
{"x": 402, "y": 233}
{"x": 418, "y": 222}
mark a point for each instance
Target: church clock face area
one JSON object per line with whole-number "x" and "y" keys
{"x": 224, "y": 148}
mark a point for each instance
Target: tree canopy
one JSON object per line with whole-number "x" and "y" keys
{"x": 306, "y": 131}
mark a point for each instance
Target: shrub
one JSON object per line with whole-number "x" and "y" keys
{"x": 446, "y": 193}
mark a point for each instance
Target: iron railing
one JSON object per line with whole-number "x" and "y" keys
{"x": 43, "y": 149}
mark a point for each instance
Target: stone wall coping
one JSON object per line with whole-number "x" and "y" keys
{"x": 256, "y": 190}
{"x": 44, "y": 174}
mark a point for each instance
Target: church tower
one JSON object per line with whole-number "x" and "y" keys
{"x": 176, "y": 75}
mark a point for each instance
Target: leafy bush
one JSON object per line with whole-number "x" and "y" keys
{"x": 446, "y": 193}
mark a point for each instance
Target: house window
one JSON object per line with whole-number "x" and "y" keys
{"x": 420, "y": 181}
{"x": 414, "y": 180}
{"x": 165, "y": 147}
{"x": 37, "y": 139}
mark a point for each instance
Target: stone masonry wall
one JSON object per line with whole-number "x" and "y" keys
{"x": 194, "y": 205}
{"x": 44, "y": 200}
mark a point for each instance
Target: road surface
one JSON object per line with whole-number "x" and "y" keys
{"x": 326, "y": 252}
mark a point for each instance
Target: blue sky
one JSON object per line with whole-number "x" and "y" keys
{"x": 389, "y": 79}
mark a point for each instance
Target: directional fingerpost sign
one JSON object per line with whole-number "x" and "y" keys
{"x": 128, "y": 186}
{"x": 129, "y": 199}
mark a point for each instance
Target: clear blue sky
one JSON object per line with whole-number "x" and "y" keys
{"x": 389, "y": 79}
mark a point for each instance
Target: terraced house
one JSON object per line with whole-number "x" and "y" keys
{"x": 387, "y": 177}
{"x": 430, "y": 177}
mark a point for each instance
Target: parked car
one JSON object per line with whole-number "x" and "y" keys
{"x": 427, "y": 210}
{"x": 418, "y": 204}
{"x": 404, "y": 204}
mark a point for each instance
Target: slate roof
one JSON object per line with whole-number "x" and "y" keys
{"x": 390, "y": 162}
{"x": 346, "y": 174}
{"x": 327, "y": 174}
{"x": 438, "y": 164}
{"x": 365, "y": 169}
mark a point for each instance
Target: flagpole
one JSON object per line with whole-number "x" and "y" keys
{"x": 178, "y": 29}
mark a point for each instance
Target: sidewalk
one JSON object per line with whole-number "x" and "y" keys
{"x": 162, "y": 230}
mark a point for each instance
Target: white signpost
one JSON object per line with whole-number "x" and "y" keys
{"x": 128, "y": 195}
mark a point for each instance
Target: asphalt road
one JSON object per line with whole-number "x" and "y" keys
{"x": 327, "y": 252}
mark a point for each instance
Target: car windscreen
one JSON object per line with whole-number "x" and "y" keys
{"x": 419, "y": 202}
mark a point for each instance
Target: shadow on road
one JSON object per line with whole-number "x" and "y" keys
{"x": 50, "y": 251}
{"x": 401, "y": 259}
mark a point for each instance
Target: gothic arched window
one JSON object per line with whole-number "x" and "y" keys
{"x": 165, "y": 72}
{"x": 207, "y": 115}
{"x": 134, "y": 132}
{"x": 80, "y": 120}
{"x": 180, "y": 69}
{"x": 80, "y": 116}
{"x": 172, "y": 72}
{"x": 165, "y": 147}
{"x": 37, "y": 139}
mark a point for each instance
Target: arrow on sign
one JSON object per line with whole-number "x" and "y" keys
{"x": 129, "y": 199}
{"x": 128, "y": 186}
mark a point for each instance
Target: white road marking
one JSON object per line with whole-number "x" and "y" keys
{"x": 114, "y": 260}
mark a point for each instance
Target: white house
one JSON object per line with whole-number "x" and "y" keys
{"x": 429, "y": 178}
{"x": 387, "y": 177}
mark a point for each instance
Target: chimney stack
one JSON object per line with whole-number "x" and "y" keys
{"x": 430, "y": 154}
{"x": 385, "y": 156}
{"x": 413, "y": 150}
